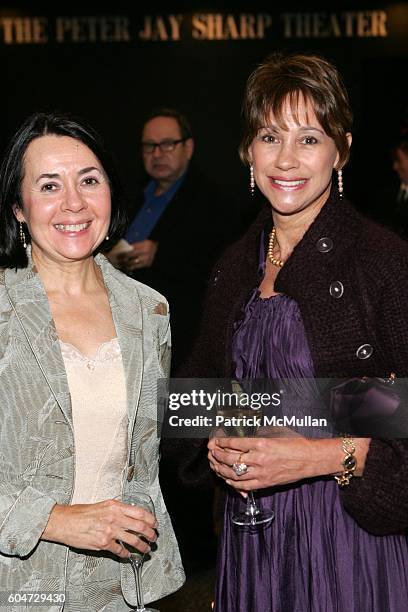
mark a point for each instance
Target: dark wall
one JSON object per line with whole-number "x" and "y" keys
{"x": 114, "y": 83}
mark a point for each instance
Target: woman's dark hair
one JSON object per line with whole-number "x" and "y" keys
{"x": 286, "y": 77}
{"x": 12, "y": 253}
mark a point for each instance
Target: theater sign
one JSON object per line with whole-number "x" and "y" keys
{"x": 194, "y": 27}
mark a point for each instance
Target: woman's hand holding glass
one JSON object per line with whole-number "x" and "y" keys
{"x": 102, "y": 526}
{"x": 140, "y": 501}
{"x": 270, "y": 461}
{"x": 278, "y": 461}
{"x": 240, "y": 421}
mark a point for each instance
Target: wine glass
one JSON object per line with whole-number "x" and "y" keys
{"x": 244, "y": 422}
{"x": 142, "y": 500}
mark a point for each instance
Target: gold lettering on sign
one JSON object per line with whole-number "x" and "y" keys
{"x": 175, "y": 24}
{"x": 203, "y": 26}
{"x": 157, "y": 28}
{"x": 216, "y": 32}
{"x": 247, "y": 26}
{"x": 230, "y": 29}
{"x": 24, "y": 30}
{"x": 350, "y": 24}
{"x": 348, "y": 19}
{"x": 334, "y": 25}
{"x": 263, "y": 22}
{"x": 215, "y": 26}
{"x": 161, "y": 29}
{"x": 199, "y": 27}
{"x": 92, "y": 29}
{"x": 363, "y": 25}
{"x": 379, "y": 23}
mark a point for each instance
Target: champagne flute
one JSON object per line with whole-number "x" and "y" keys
{"x": 244, "y": 422}
{"x": 142, "y": 500}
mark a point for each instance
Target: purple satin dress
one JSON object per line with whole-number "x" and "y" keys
{"x": 313, "y": 557}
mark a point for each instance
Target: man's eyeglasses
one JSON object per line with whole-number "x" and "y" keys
{"x": 165, "y": 146}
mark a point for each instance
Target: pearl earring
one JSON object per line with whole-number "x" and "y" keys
{"x": 340, "y": 183}
{"x": 251, "y": 180}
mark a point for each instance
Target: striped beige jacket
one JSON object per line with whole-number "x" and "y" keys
{"x": 37, "y": 452}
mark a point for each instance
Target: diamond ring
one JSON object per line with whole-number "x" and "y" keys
{"x": 240, "y": 468}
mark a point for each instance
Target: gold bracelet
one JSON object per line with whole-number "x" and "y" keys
{"x": 349, "y": 462}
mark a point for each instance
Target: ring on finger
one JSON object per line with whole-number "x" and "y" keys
{"x": 240, "y": 467}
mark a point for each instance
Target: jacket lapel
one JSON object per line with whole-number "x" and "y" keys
{"x": 35, "y": 325}
{"x": 128, "y": 319}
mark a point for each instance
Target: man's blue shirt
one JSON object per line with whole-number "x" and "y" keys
{"x": 151, "y": 211}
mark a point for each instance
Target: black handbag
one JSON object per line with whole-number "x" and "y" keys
{"x": 367, "y": 407}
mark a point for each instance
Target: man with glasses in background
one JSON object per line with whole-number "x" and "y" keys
{"x": 178, "y": 227}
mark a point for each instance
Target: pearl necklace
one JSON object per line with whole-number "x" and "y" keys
{"x": 276, "y": 262}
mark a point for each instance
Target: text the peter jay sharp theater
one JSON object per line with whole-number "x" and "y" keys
{"x": 40, "y": 30}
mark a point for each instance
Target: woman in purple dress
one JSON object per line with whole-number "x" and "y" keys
{"x": 312, "y": 290}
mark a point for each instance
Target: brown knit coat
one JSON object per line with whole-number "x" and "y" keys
{"x": 371, "y": 263}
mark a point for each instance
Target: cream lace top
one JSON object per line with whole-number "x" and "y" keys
{"x": 99, "y": 412}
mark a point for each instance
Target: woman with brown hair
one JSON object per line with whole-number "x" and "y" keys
{"x": 308, "y": 292}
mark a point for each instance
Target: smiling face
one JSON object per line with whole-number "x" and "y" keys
{"x": 66, "y": 199}
{"x": 293, "y": 161}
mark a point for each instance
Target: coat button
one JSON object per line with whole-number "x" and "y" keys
{"x": 364, "y": 351}
{"x": 336, "y": 289}
{"x": 130, "y": 472}
{"x": 324, "y": 245}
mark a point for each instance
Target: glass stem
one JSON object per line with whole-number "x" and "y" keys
{"x": 137, "y": 570}
{"x": 251, "y": 509}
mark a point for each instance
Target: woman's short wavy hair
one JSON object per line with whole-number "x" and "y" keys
{"x": 12, "y": 253}
{"x": 283, "y": 78}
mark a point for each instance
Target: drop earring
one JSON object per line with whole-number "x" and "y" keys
{"x": 22, "y": 236}
{"x": 340, "y": 183}
{"x": 251, "y": 180}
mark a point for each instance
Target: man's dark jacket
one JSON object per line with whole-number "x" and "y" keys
{"x": 191, "y": 233}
